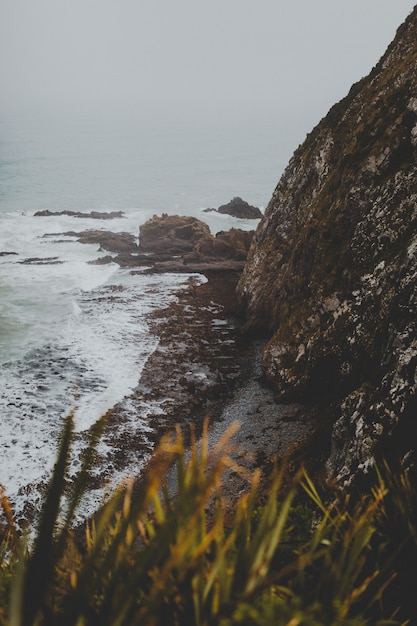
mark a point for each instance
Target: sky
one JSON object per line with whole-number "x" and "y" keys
{"x": 218, "y": 57}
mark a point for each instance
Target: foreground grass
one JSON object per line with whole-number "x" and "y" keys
{"x": 153, "y": 560}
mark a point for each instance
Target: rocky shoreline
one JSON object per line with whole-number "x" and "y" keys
{"x": 205, "y": 368}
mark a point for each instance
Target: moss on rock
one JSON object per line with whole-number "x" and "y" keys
{"x": 332, "y": 273}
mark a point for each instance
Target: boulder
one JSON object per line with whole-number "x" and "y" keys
{"x": 171, "y": 234}
{"x": 183, "y": 243}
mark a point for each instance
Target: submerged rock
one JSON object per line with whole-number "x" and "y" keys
{"x": 106, "y": 240}
{"x": 332, "y": 273}
{"x": 96, "y": 215}
{"x": 53, "y": 260}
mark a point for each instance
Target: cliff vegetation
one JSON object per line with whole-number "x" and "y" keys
{"x": 155, "y": 560}
{"x": 331, "y": 277}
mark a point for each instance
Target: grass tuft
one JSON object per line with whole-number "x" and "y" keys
{"x": 160, "y": 555}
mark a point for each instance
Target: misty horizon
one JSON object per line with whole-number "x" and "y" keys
{"x": 220, "y": 61}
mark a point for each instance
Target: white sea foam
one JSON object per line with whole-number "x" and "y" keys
{"x": 89, "y": 364}
{"x": 75, "y": 335}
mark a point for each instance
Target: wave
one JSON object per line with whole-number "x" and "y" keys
{"x": 75, "y": 338}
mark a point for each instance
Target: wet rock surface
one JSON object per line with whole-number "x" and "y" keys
{"x": 201, "y": 353}
{"x": 171, "y": 243}
{"x": 120, "y": 243}
{"x": 203, "y": 367}
{"x": 197, "y": 364}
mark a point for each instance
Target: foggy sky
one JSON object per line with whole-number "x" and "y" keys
{"x": 232, "y": 57}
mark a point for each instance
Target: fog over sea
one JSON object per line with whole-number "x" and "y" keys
{"x": 75, "y": 336}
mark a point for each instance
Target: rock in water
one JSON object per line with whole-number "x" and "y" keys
{"x": 171, "y": 234}
{"x": 184, "y": 243}
{"x": 122, "y": 243}
{"x": 332, "y": 274}
{"x": 238, "y": 208}
{"x": 96, "y": 215}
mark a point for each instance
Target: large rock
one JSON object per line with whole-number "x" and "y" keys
{"x": 183, "y": 243}
{"x": 238, "y": 208}
{"x": 332, "y": 273}
{"x": 171, "y": 234}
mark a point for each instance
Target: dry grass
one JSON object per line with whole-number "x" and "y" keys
{"x": 153, "y": 559}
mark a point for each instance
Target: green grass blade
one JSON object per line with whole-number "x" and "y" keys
{"x": 30, "y": 598}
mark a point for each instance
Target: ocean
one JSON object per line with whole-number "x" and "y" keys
{"x": 75, "y": 336}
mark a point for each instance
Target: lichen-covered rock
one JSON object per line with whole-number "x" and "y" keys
{"x": 332, "y": 272}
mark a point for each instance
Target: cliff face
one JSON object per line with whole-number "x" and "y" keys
{"x": 332, "y": 272}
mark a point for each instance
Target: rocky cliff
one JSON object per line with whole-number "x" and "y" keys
{"x": 332, "y": 272}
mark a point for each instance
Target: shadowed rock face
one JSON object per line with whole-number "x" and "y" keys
{"x": 232, "y": 244}
{"x": 332, "y": 273}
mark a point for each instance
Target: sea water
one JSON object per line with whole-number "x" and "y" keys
{"x": 74, "y": 336}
